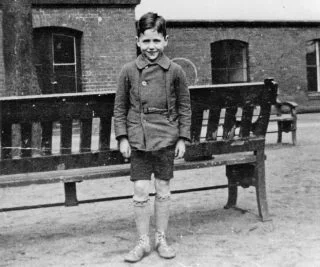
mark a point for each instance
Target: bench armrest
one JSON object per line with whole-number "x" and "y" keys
{"x": 281, "y": 105}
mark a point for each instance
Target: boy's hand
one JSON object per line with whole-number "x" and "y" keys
{"x": 180, "y": 149}
{"x": 125, "y": 148}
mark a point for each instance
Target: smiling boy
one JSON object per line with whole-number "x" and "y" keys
{"x": 152, "y": 118}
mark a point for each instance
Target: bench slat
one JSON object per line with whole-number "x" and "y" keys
{"x": 6, "y": 140}
{"x": 213, "y": 124}
{"x": 66, "y": 136}
{"x": 58, "y": 162}
{"x": 207, "y": 149}
{"x": 105, "y": 133}
{"x": 246, "y": 121}
{"x": 102, "y": 172}
{"x": 26, "y": 136}
{"x": 85, "y": 135}
{"x": 46, "y": 139}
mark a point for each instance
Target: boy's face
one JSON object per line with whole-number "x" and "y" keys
{"x": 152, "y": 43}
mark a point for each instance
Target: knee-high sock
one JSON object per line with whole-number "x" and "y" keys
{"x": 142, "y": 217}
{"x": 162, "y": 212}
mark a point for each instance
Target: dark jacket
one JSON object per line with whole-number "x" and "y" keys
{"x": 150, "y": 124}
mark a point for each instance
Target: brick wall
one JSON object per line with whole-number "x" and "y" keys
{"x": 108, "y": 40}
{"x": 107, "y": 43}
{"x": 274, "y": 51}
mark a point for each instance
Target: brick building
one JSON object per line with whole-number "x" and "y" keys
{"x": 80, "y": 45}
{"x": 222, "y": 52}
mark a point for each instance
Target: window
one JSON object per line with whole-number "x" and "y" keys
{"x": 313, "y": 66}
{"x": 57, "y": 59}
{"x": 229, "y": 61}
{"x": 64, "y": 61}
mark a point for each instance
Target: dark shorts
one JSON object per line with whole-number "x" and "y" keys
{"x": 144, "y": 163}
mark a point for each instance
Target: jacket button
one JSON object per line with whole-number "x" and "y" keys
{"x": 144, "y": 83}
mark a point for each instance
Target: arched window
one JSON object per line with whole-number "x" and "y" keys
{"x": 57, "y": 59}
{"x": 229, "y": 61}
{"x": 313, "y": 65}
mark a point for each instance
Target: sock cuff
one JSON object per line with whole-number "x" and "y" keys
{"x": 162, "y": 198}
{"x": 143, "y": 203}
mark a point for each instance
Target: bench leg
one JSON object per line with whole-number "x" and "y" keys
{"x": 279, "y": 132}
{"x": 70, "y": 190}
{"x": 232, "y": 188}
{"x": 260, "y": 185}
{"x": 294, "y": 137}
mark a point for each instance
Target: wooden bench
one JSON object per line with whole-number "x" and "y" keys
{"x": 58, "y": 117}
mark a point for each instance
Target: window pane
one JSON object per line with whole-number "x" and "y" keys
{"x": 312, "y": 79}
{"x": 236, "y": 60}
{"x": 63, "y": 49}
{"x": 237, "y": 75}
{"x": 220, "y": 60}
{"x": 231, "y": 56}
{"x": 65, "y": 79}
{"x": 219, "y": 76}
{"x": 311, "y": 54}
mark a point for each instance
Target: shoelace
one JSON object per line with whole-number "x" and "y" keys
{"x": 162, "y": 241}
{"x": 141, "y": 244}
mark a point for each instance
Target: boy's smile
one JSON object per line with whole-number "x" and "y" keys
{"x": 152, "y": 43}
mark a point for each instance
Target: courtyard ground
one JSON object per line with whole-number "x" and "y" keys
{"x": 202, "y": 232}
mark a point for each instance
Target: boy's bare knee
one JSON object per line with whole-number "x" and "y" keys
{"x": 141, "y": 190}
{"x": 162, "y": 188}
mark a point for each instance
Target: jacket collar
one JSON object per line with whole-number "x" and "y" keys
{"x": 163, "y": 61}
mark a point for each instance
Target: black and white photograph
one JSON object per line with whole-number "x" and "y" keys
{"x": 163, "y": 133}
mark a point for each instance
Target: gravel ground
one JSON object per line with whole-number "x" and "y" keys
{"x": 202, "y": 232}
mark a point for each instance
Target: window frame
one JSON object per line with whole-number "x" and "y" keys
{"x": 316, "y": 44}
{"x": 74, "y": 63}
{"x": 49, "y": 33}
{"x": 228, "y": 67}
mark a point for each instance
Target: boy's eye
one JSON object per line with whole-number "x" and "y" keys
{"x": 146, "y": 41}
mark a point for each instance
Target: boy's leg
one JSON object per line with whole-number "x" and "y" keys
{"x": 141, "y": 171}
{"x": 141, "y": 207}
{"x": 163, "y": 174}
{"x": 162, "y": 205}
{"x": 162, "y": 213}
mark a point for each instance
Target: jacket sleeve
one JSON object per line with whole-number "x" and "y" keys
{"x": 121, "y": 104}
{"x": 183, "y": 102}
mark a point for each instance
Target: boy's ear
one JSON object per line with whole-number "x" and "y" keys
{"x": 137, "y": 41}
{"x": 166, "y": 40}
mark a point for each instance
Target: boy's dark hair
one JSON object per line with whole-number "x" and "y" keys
{"x": 151, "y": 20}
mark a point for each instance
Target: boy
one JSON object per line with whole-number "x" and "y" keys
{"x": 152, "y": 118}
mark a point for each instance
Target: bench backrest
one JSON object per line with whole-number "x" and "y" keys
{"x": 33, "y": 126}
{"x": 229, "y": 110}
{"x": 229, "y": 118}
{"x": 38, "y": 124}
